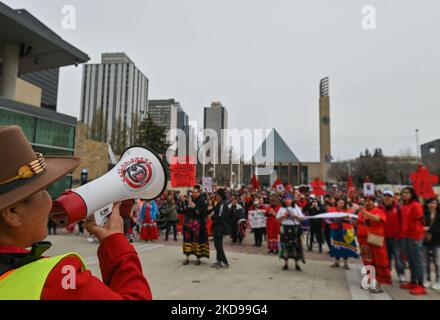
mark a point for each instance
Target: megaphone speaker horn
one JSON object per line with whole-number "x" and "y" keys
{"x": 139, "y": 174}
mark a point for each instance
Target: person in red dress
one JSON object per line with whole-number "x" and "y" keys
{"x": 273, "y": 225}
{"x": 149, "y": 230}
{"x": 371, "y": 237}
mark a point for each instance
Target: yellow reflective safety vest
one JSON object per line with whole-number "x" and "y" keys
{"x": 27, "y": 282}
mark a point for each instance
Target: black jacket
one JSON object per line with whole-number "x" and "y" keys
{"x": 237, "y": 213}
{"x": 200, "y": 211}
{"x": 434, "y": 228}
{"x": 221, "y": 220}
{"x": 313, "y": 211}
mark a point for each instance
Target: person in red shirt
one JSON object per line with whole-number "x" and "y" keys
{"x": 273, "y": 225}
{"x": 371, "y": 237}
{"x": 393, "y": 234}
{"x": 301, "y": 201}
{"x": 413, "y": 232}
{"x": 24, "y": 211}
{"x": 126, "y": 211}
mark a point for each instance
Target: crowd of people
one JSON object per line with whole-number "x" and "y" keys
{"x": 388, "y": 231}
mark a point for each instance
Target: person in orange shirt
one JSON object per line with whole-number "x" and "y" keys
{"x": 371, "y": 237}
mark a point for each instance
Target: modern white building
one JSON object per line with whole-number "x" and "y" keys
{"x": 114, "y": 99}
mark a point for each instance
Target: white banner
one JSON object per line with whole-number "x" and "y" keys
{"x": 333, "y": 215}
{"x": 256, "y": 219}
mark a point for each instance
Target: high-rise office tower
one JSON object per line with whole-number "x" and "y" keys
{"x": 216, "y": 118}
{"x": 168, "y": 114}
{"x": 114, "y": 99}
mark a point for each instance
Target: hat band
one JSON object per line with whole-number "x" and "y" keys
{"x": 24, "y": 173}
{"x": 14, "y": 185}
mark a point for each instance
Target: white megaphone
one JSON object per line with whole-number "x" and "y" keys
{"x": 140, "y": 174}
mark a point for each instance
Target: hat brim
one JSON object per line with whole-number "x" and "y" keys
{"x": 56, "y": 168}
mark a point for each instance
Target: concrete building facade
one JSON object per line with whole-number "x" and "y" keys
{"x": 47, "y": 80}
{"x": 168, "y": 114}
{"x": 114, "y": 99}
{"x": 215, "y": 118}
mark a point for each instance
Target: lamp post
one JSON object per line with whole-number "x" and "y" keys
{"x": 239, "y": 171}
{"x": 417, "y": 144}
{"x": 230, "y": 168}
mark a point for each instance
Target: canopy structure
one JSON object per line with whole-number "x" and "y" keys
{"x": 39, "y": 47}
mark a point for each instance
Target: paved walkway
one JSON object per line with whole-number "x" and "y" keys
{"x": 255, "y": 275}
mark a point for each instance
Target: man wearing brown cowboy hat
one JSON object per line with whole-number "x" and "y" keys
{"x": 24, "y": 210}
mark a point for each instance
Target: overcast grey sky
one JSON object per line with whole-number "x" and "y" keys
{"x": 264, "y": 59}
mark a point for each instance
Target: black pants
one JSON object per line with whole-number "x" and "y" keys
{"x": 236, "y": 234}
{"x": 327, "y": 235}
{"x": 127, "y": 223}
{"x": 52, "y": 227}
{"x": 81, "y": 227}
{"x": 218, "y": 243}
{"x": 315, "y": 232}
{"x": 170, "y": 224}
{"x": 258, "y": 235}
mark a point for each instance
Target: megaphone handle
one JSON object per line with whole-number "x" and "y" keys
{"x": 101, "y": 216}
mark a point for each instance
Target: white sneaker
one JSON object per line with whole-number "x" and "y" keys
{"x": 92, "y": 239}
{"x": 402, "y": 278}
{"x": 426, "y": 284}
{"x": 436, "y": 285}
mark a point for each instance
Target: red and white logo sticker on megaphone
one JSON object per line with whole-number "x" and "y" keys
{"x": 139, "y": 174}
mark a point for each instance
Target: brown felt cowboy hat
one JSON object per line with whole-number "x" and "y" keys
{"x": 24, "y": 172}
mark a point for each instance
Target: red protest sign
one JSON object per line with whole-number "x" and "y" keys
{"x": 318, "y": 187}
{"x": 423, "y": 181}
{"x": 183, "y": 172}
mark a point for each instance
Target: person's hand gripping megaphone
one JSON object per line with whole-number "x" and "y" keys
{"x": 114, "y": 225}
{"x": 139, "y": 174}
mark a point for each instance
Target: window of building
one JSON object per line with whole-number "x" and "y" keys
{"x": 54, "y": 134}
{"x": 26, "y": 123}
{"x": 45, "y": 132}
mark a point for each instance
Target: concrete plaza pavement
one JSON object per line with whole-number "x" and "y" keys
{"x": 251, "y": 275}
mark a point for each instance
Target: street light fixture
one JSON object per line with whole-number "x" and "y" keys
{"x": 417, "y": 144}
